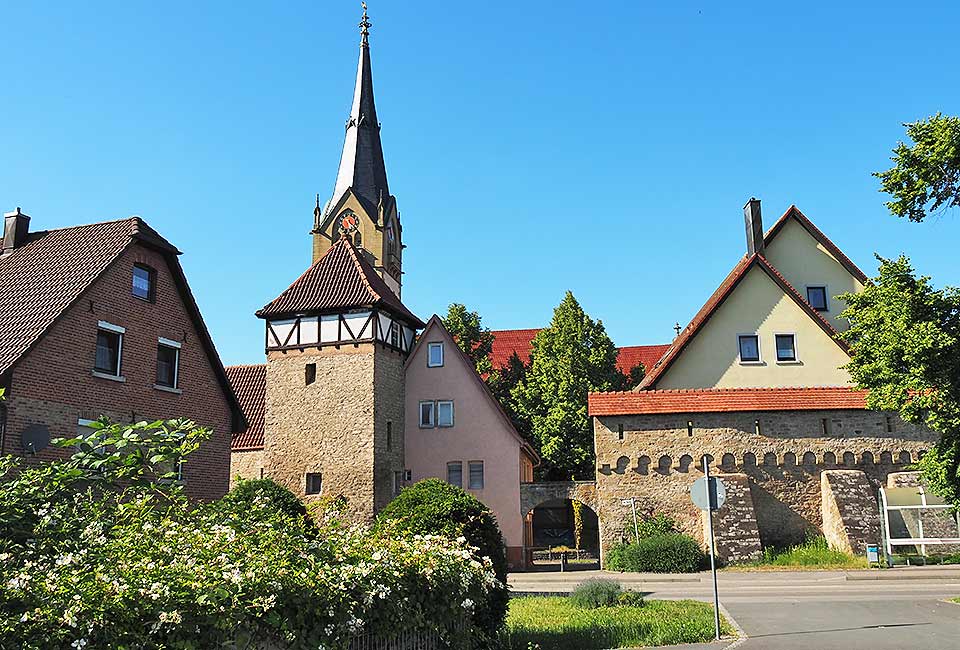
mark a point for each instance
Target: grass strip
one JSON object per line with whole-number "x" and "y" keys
{"x": 535, "y": 623}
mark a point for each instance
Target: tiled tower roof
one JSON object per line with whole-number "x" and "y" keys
{"x": 341, "y": 279}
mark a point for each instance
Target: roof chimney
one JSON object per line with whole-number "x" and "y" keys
{"x": 16, "y": 225}
{"x": 754, "y": 223}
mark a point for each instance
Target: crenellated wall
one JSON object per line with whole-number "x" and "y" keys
{"x": 781, "y": 453}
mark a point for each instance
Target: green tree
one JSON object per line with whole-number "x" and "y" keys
{"x": 502, "y": 383}
{"x": 905, "y": 343}
{"x": 925, "y": 176}
{"x": 471, "y": 336}
{"x": 634, "y": 377}
{"x": 569, "y": 359}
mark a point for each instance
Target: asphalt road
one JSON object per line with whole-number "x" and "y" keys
{"x": 899, "y": 609}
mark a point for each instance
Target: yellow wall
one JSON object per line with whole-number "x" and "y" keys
{"x": 758, "y": 304}
{"x": 803, "y": 261}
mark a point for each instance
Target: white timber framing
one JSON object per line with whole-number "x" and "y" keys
{"x": 359, "y": 326}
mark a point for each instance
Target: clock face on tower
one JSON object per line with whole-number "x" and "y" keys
{"x": 349, "y": 223}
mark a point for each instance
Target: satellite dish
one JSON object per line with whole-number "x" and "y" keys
{"x": 35, "y": 437}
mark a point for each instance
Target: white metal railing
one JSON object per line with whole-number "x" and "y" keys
{"x": 916, "y": 501}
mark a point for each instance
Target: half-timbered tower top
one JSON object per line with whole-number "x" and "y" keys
{"x": 339, "y": 299}
{"x": 361, "y": 203}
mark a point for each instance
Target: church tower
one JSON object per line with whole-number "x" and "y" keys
{"x": 361, "y": 200}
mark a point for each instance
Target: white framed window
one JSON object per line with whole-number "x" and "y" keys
{"x": 314, "y": 483}
{"x": 445, "y": 413}
{"x": 748, "y": 346}
{"x": 817, "y": 296}
{"x": 786, "y": 347}
{"x": 434, "y": 355}
{"x": 109, "y": 349}
{"x": 476, "y": 474}
{"x": 168, "y": 363}
{"x": 455, "y": 473}
{"x": 426, "y": 415}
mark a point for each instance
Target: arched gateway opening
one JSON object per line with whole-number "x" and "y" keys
{"x": 561, "y": 526}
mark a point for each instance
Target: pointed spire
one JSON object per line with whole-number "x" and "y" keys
{"x": 361, "y": 163}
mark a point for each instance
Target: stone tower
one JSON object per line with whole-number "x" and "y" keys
{"x": 361, "y": 200}
{"x": 336, "y": 342}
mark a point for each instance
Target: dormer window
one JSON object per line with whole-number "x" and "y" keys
{"x": 434, "y": 355}
{"x": 144, "y": 282}
{"x": 817, "y": 297}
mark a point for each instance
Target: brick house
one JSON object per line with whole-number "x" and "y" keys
{"x": 98, "y": 320}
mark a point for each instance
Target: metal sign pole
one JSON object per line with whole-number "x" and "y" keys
{"x": 636, "y": 528}
{"x": 713, "y": 562}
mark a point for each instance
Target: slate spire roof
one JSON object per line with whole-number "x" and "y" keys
{"x": 361, "y": 163}
{"x": 342, "y": 279}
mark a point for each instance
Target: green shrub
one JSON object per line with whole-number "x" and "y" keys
{"x": 670, "y": 553}
{"x": 598, "y": 592}
{"x": 435, "y": 507}
{"x": 656, "y": 525}
{"x": 95, "y": 552}
{"x": 245, "y": 494}
{"x": 631, "y": 599}
{"x": 815, "y": 552}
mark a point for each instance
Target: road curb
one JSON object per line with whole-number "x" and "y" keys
{"x": 741, "y": 633}
{"x": 953, "y": 577}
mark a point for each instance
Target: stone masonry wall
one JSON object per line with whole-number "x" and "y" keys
{"x": 782, "y": 454}
{"x": 735, "y": 531}
{"x": 325, "y": 427}
{"x": 246, "y": 464}
{"x": 388, "y": 413}
{"x": 850, "y": 516}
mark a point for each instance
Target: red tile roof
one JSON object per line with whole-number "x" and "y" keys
{"x": 42, "y": 277}
{"x": 717, "y": 298}
{"x": 341, "y": 279}
{"x": 506, "y": 342}
{"x": 725, "y": 400}
{"x": 794, "y": 213}
{"x": 250, "y": 385}
{"x": 648, "y": 355}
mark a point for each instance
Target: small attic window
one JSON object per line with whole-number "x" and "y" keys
{"x": 435, "y": 355}
{"x": 144, "y": 282}
{"x": 817, "y": 297}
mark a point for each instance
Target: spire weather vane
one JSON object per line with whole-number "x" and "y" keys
{"x": 364, "y": 23}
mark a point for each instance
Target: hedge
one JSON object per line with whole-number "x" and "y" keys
{"x": 670, "y": 553}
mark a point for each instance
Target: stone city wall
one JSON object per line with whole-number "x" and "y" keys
{"x": 655, "y": 458}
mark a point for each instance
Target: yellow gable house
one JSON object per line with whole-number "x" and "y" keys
{"x": 774, "y": 321}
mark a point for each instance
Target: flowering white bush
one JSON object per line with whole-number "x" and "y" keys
{"x": 96, "y": 552}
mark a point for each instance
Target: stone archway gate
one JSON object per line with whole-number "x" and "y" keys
{"x": 533, "y": 494}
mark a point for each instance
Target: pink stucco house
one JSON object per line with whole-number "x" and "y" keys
{"x": 456, "y": 431}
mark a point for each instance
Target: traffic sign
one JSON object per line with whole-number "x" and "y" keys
{"x": 716, "y": 498}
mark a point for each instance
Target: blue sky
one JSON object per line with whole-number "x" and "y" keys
{"x": 605, "y": 148}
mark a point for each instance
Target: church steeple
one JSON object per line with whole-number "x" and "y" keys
{"x": 361, "y": 202}
{"x": 361, "y": 163}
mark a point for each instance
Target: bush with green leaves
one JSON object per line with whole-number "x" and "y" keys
{"x": 670, "y": 553}
{"x": 435, "y": 507}
{"x": 597, "y": 592}
{"x": 246, "y": 492}
{"x": 99, "y": 551}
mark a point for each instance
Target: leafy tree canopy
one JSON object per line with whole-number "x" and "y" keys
{"x": 570, "y": 358}
{"x": 471, "y": 336}
{"x": 905, "y": 343}
{"x": 925, "y": 176}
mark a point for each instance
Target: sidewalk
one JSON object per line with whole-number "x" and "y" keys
{"x": 544, "y": 583}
